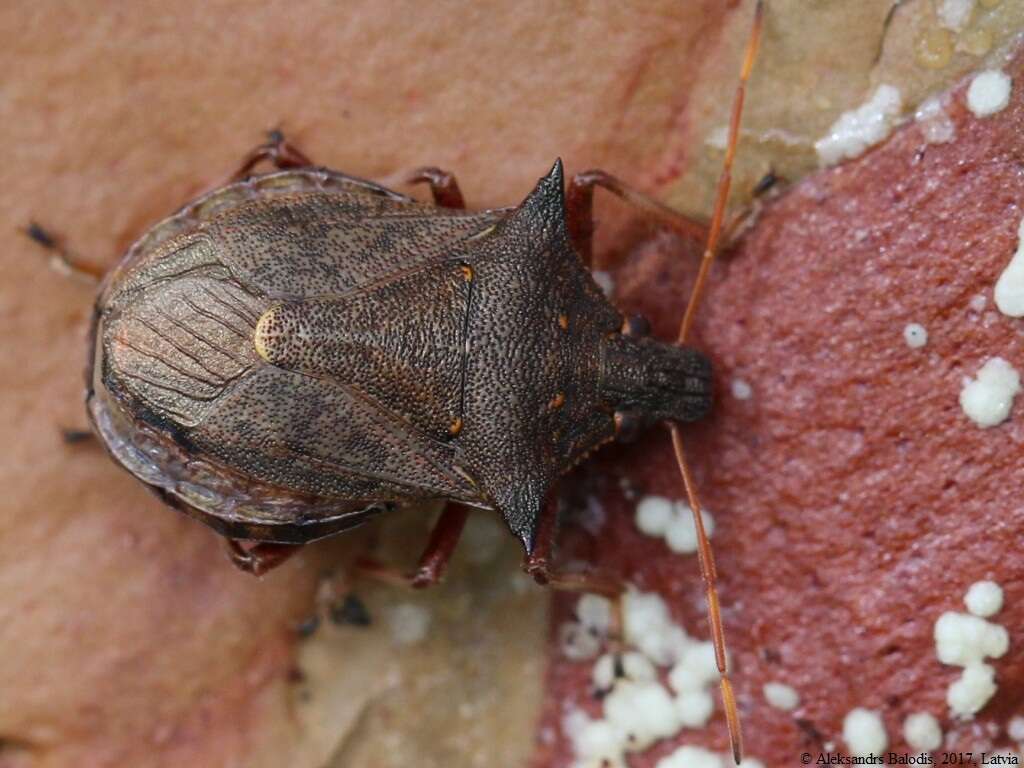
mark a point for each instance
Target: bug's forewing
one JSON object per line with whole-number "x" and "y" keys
{"x": 178, "y": 338}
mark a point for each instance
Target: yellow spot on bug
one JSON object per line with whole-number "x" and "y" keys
{"x": 483, "y": 233}
{"x": 467, "y": 272}
{"x": 563, "y": 322}
{"x": 261, "y": 337}
{"x": 456, "y": 426}
{"x": 557, "y": 402}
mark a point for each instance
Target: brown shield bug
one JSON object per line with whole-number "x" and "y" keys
{"x": 297, "y": 351}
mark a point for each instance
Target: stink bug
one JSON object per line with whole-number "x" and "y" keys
{"x": 297, "y": 351}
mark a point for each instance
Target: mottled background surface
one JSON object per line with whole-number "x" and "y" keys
{"x": 854, "y": 502}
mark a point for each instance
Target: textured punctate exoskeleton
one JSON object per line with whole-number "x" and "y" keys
{"x": 296, "y": 351}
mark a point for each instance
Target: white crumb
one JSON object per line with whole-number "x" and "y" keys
{"x": 673, "y": 520}
{"x": 631, "y": 666}
{"x": 954, "y": 14}
{"x": 922, "y": 732}
{"x": 1015, "y": 728}
{"x": 647, "y": 626}
{"x": 409, "y": 623}
{"x": 653, "y": 515}
{"x": 989, "y": 92}
{"x": 962, "y": 639}
{"x": 972, "y": 691}
{"x": 594, "y": 741}
{"x": 718, "y": 138}
{"x": 741, "y": 390}
{"x": 934, "y": 121}
{"x": 781, "y": 696}
{"x": 864, "y": 732}
{"x": 694, "y": 708}
{"x": 603, "y": 673}
{"x": 748, "y": 762}
{"x": 860, "y": 128}
{"x": 577, "y": 642}
{"x": 987, "y": 399}
{"x": 915, "y": 335}
{"x": 696, "y": 669}
{"x": 691, "y": 757}
{"x": 604, "y": 281}
{"x": 984, "y": 598}
{"x": 1009, "y": 292}
{"x": 681, "y": 534}
{"x": 978, "y": 301}
{"x": 638, "y": 668}
{"x": 594, "y": 612}
{"x": 645, "y": 712}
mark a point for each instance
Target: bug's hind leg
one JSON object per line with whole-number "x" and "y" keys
{"x": 259, "y": 558}
{"x": 579, "y": 207}
{"x": 62, "y": 258}
{"x": 432, "y": 564}
{"x": 443, "y": 186}
{"x": 275, "y": 150}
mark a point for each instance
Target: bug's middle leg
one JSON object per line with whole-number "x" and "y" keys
{"x": 259, "y": 558}
{"x": 276, "y": 150}
{"x": 443, "y": 186}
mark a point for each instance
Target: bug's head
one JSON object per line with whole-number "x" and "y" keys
{"x": 646, "y": 380}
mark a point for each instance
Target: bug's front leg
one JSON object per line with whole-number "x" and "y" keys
{"x": 579, "y": 207}
{"x": 539, "y": 563}
{"x": 275, "y": 150}
{"x": 259, "y": 558}
{"x": 443, "y": 186}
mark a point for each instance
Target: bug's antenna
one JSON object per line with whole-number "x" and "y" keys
{"x": 722, "y": 195}
{"x": 707, "y": 560}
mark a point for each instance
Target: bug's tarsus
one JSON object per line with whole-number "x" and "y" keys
{"x": 63, "y": 260}
{"x": 443, "y": 186}
{"x": 261, "y": 557}
{"x": 72, "y": 436}
{"x": 707, "y": 560}
{"x": 766, "y": 183}
{"x": 275, "y": 150}
{"x": 433, "y": 562}
{"x": 579, "y": 208}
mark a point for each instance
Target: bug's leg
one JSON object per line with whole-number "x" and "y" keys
{"x": 443, "y": 186}
{"x": 276, "y": 150}
{"x": 261, "y": 557}
{"x": 539, "y": 563}
{"x": 63, "y": 260}
{"x": 434, "y": 560}
{"x": 72, "y": 436}
{"x": 579, "y": 207}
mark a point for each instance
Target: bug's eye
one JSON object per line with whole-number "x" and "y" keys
{"x": 627, "y": 426}
{"x": 635, "y": 325}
